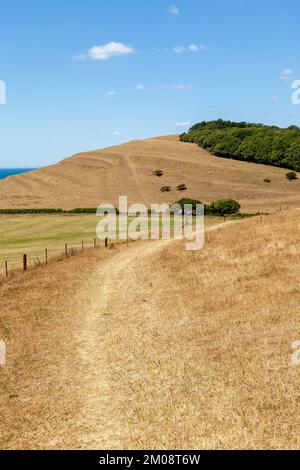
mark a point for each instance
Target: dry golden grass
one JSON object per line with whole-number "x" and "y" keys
{"x": 41, "y": 385}
{"x": 150, "y": 346}
{"x": 204, "y": 360}
{"x": 91, "y": 178}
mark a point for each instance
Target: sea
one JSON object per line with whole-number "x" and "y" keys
{"x": 4, "y": 172}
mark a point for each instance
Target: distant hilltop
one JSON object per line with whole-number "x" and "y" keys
{"x": 161, "y": 169}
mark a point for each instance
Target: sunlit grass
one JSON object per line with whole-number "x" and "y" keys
{"x": 31, "y": 234}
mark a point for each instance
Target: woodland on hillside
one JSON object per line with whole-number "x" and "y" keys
{"x": 257, "y": 143}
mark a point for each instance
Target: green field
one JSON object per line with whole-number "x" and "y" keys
{"x": 31, "y": 234}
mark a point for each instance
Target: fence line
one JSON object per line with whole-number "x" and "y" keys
{"x": 69, "y": 250}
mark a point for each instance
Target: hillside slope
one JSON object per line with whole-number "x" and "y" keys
{"x": 91, "y": 178}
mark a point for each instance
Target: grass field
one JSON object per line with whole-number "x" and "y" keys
{"x": 148, "y": 346}
{"x": 31, "y": 234}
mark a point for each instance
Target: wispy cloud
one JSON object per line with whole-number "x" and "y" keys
{"x": 141, "y": 87}
{"x": 106, "y": 51}
{"x": 179, "y": 49}
{"x": 196, "y": 47}
{"x": 178, "y": 87}
{"x": 116, "y": 133}
{"x": 286, "y": 74}
{"x": 173, "y": 10}
{"x": 189, "y": 48}
{"x": 111, "y": 93}
{"x": 182, "y": 124}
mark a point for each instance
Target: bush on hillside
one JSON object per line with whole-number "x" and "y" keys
{"x": 158, "y": 173}
{"x": 181, "y": 187}
{"x": 187, "y": 201}
{"x": 165, "y": 189}
{"x": 225, "y": 207}
{"x": 193, "y": 202}
{"x": 291, "y": 175}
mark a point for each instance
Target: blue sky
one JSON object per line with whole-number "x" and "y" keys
{"x": 87, "y": 74}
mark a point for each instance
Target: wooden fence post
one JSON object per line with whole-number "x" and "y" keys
{"x": 66, "y": 249}
{"x": 46, "y": 255}
{"x": 25, "y": 262}
{"x": 82, "y": 246}
{"x": 106, "y": 242}
{"x": 95, "y": 243}
{"x": 6, "y": 269}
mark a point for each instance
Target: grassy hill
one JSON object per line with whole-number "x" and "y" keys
{"x": 91, "y": 178}
{"x": 256, "y": 143}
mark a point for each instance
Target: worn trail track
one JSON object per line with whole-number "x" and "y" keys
{"x": 120, "y": 298}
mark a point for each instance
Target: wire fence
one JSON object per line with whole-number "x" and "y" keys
{"x": 34, "y": 257}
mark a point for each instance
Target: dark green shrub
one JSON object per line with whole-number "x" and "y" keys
{"x": 32, "y": 211}
{"x": 158, "y": 173}
{"x": 225, "y": 207}
{"x": 83, "y": 210}
{"x": 185, "y": 201}
{"x": 267, "y": 180}
{"x": 165, "y": 189}
{"x": 181, "y": 187}
{"x": 291, "y": 175}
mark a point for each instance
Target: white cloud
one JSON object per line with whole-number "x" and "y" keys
{"x": 286, "y": 74}
{"x": 173, "y": 10}
{"x": 111, "y": 93}
{"x": 106, "y": 51}
{"x": 196, "y": 47}
{"x": 183, "y": 124}
{"x": 275, "y": 98}
{"x": 190, "y": 47}
{"x": 179, "y": 87}
{"x": 116, "y": 133}
{"x": 141, "y": 87}
{"x": 179, "y": 49}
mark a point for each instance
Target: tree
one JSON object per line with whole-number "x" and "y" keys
{"x": 292, "y": 157}
{"x": 225, "y": 207}
{"x": 186, "y": 201}
{"x": 269, "y": 145}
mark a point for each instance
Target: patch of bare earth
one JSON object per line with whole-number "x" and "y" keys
{"x": 151, "y": 346}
